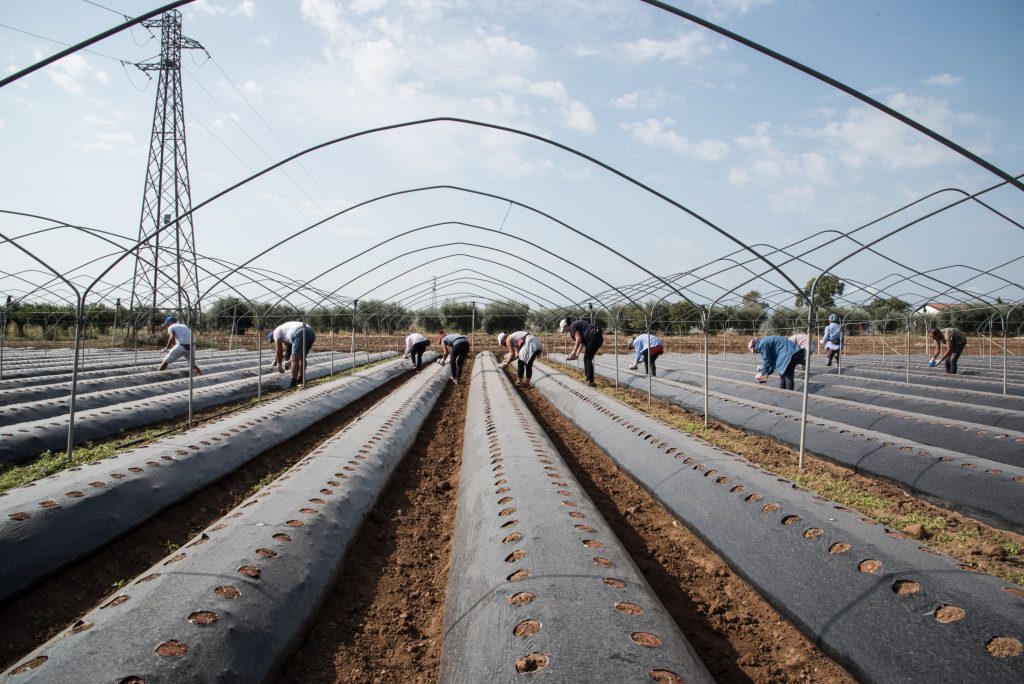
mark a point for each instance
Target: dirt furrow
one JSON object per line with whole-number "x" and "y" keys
{"x": 384, "y": 620}
{"x": 53, "y": 605}
{"x": 738, "y": 636}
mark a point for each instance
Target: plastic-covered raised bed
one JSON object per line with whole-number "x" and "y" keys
{"x": 885, "y": 608}
{"x": 231, "y": 604}
{"x": 539, "y": 586}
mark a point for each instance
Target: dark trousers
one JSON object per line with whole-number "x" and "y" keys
{"x": 786, "y": 377}
{"x": 831, "y": 354}
{"x": 416, "y": 353}
{"x": 592, "y": 344}
{"x": 460, "y": 350}
{"x": 955, "y": 350}
{"x": 527, "y": 366}
{"x": 653, "y": 359}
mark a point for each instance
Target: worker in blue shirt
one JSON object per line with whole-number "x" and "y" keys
{"x": 777, "y": 354}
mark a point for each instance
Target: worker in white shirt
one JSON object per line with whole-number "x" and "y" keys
{"x": 179, "y": 344}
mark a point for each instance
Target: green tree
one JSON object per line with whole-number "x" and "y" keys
{"x": 753, "y": 300}
{"x": 829, "y": 287}
{"x": 505, "y": 317}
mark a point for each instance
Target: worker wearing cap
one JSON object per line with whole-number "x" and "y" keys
{"x": 648, "y": 347}
{"x": 525, "y": 348}
{"x": 179, "y": 344}
{"x": 300, "y": 338}
{"x": 587, "y": 338}
{"x": 832, "y": 338}
{"x": 415, "y": 345}
{"x": 777, "y": 354}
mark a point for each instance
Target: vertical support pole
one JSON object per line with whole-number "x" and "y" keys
{"x": 191, "y": 368}
{"x": 3, "y": 334}
{"x": 113, "y": 328}
{"x": 259, "y": 359}
{"x": 908, "y": 352}
{"x": 707, "y": 385}
{"x": 332, "y": 345}
{"x": 79, "y": 319}
{"x": 355, "y": 307}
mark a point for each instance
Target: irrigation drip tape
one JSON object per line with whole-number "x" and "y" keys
{"x": 886, "y": 609}
{"x": 230, "y": 605}
{"x": 538, "y": 582}
{"x": 23, "y": 441}
{"x": 66, "y": 517}
{"x": 989, "y": 491}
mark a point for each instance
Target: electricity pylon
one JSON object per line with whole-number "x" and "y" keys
{"x": 166, "y": 277}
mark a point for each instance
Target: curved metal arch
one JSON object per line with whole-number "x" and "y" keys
{"x": 849, "y": 90}
{"x": 535, "y": 297}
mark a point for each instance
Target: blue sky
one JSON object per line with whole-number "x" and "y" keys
{"x": 760, "y": 150}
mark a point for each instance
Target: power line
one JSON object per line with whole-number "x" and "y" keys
{"x": 285, "y": 146}
{"x": 127, "y": 17}
{"x": 60, "y": 42}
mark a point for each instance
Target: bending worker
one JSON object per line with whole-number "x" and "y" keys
{"x": 523, "y": 347}
{"x": 179, "y": 344}
{"x": 955, "y": 342}
{"x": 415, "y": 345}
{"x": 300, "y": 338}
{"x": 777, "y": 354}
{"x": 457, "y": 347}
{"x": 588, "y": 339}
{"x": 648, "y": 348}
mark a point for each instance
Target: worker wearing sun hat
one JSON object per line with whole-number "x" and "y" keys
{"x": 179, "y": 344}
{"x": 588, "y": 338}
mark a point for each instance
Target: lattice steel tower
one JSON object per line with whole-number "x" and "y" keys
{"x": 166, "y": 277}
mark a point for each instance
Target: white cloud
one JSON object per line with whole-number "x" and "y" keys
{"x": 252, "y": 87}
{"x": 3, "y": 125}
{"x": 725, "y": 8}
{"x": 266, "y": 39}
{"x": 797, "y": 199}
{"x": 367, "y": 6}
{"x": 768, "y": 164}
{"x": 686, "y": 48}
{"x": 578, "y": 117}
{"x": 70, "y": 72}
{"x": 324, "y": 14}
{"x": 121, "y": 137}
{"x": 92, "y": 120}
{"x": 654, "y": 133}
{"x": 626, "y": 101}
{"x": 633, "y": 101}
{"x": 866, "y": 135}
{"x": 943, "y": 80}
{"x": 246, "y": 8}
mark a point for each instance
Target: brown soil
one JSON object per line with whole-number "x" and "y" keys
{"x": 737, "y": 635}
{"x": 58, "y": 602}
{"x": 981, "y": 546}
{"x": 384, "y": 620}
